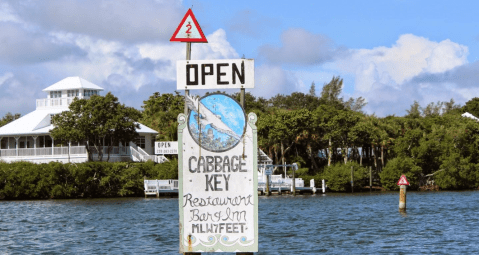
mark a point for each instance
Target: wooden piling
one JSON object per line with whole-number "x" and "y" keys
{"x": 352, "y": 179}
{"x": 402, "y": 198}
{"x": 370, "y": 179}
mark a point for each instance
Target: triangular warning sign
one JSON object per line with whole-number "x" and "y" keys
{"x": 403, "y": 181}
{"x": 189, "y": 30}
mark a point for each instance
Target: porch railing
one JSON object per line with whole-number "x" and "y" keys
{"x": 39, "y": 152}
{"x": 8, "y": 153}
{"x": 54, "y": 102}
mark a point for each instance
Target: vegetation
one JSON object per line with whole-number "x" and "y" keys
{"x": 22, "y": 180}
{"x": 327, "y": 134}
{"x": 100, "y": 121}
{"x": 9, "y": 118}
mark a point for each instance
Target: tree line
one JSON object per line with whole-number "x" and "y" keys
{"x": 322, "y": 132}
{"x": 326, "y": 134}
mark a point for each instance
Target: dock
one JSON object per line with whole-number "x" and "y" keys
{"x": 277, "y": 183}
{"x": 158, "y": 187}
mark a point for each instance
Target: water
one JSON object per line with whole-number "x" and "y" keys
{"x": 435, "y": 222}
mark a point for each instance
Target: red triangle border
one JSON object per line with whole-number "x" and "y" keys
{"x": 198, "y": 40}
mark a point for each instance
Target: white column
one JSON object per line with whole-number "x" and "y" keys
{"x": 16, "y": 144}
{"x": 0, "y": 145}
{"x": 53, "y": 146}
{"x": 35, "y": 144}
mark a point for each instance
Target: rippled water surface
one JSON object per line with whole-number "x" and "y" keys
{"x": 435, "y": 222}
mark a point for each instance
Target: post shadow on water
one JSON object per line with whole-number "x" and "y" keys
{"x": 435, "y": 222}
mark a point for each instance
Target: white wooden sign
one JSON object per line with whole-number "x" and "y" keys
{"x": 215, "y": 74}
{"x": 218, "y": 198}
{"x": 162, "y": 148}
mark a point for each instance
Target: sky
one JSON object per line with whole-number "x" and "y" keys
{"x": 391, "y": 53}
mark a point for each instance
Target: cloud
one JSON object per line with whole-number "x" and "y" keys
{"x": 134, "y": 72}
{"x": 301, "y": 47}
{"x": 251, "y": 23}
{"x": 127, "y": 20}
{"x": 18, "y": 93}
{"x": 410, "y": 56}
{"x": 21, "y": 46}
{"x": 7, "y": 13}
{"x": 271, "y": 80}
{"x": 464, "y": 76}
{"x": 414, "y": 68}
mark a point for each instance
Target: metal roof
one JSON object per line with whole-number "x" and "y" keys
{"x": 73, "y": 83}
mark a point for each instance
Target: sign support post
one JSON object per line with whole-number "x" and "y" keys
{"x": 402, "y": 192}
{"x": 217, "y": 163}
{"x": 294, "y": 168}
{"x": 188, "y": 57}
{"x": 370, "y": 180}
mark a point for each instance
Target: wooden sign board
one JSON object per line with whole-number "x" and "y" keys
{"x": 215, "y": 74}
{"x": 218, "y": 198}
{"x": 163, "y": 148}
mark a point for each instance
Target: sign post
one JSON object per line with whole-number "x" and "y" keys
{"x": 268, "y": 172}
{"x": 188, "y": 31}
{"x": 217, "y": 159}
{"x": 402, "y": 192}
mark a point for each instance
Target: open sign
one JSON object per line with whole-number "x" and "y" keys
{"x": 162, "y": 148}
{"x": 215, "y": 74}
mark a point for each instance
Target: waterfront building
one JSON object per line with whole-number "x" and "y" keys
{"x": 28, "y": 138}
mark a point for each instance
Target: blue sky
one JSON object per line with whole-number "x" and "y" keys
{"x": 389, "y": 52}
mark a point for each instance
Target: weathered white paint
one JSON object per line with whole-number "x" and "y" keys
{"x": 218, "y": 201}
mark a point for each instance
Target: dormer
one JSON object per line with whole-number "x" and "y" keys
{"x": 62, "y": 93}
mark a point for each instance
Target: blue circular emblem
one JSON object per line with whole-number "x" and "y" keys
{"x": 216, "y": 122}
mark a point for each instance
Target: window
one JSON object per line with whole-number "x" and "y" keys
{"x": 89, "y": 92}
{"x": 140, "y": 141}
{"x": 51, "y": 118}
{"x": 55, "y": 94}
{"x": 73, "y": 93}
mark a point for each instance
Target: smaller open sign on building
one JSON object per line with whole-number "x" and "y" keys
{"x": 162, "y": 148}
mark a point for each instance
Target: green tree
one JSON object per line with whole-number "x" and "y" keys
{"x": 9, "y": 118}
{"x": 338, "y": 176}
{"x": 312, "y": 89}
{"x": 161, "y": 111}
{"x": 99, "y": 120}
{"x": 397, "y": 167}
{"x": 472, "y": 107}
{"x": 414, "y": 111}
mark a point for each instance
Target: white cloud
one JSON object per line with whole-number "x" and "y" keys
{"x": 7, "y": 13}
{"x": 301, "y": 47}
{"x": 409, "y": 57}
{"x": 272, "y": 80}
{"x": 388, "y": 76}
{"x": 17, "y": 94}
{"x": 127, "y": 20}
{"x": 20, "y": 45}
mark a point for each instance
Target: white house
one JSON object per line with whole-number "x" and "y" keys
{"x": 28, "y": 138}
